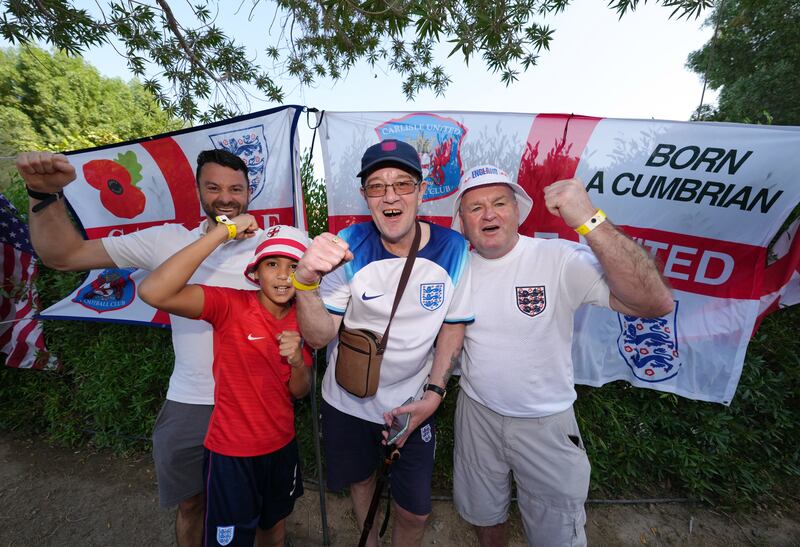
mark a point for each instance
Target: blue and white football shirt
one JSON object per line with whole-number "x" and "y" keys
{"x": 363, "y": 291}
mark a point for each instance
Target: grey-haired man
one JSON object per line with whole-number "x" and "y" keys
{"x": 514, "y": 413}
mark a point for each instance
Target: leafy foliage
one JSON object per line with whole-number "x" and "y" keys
{"x": 316, "y": 199}
{"x": 55, "y": 102}
{"x": 187, "y": 59}
{"x": 754, "y": 60}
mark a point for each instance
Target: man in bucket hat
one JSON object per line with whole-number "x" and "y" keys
{"x": 359, "y": 270}
{"x": 514, "y": 412}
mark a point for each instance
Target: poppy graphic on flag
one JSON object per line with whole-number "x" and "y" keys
{"x": 650, "y": 346}
{"x": 250, "y": 144}
{"x": 437, "y": 140}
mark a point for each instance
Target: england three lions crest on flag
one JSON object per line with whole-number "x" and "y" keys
{"x": 437, "y": 140}
{"x": 650, "y": 346}
{"x": 250, "y": 144}
{"x": 431, "y": 295}
{"x": 531, "y": 300}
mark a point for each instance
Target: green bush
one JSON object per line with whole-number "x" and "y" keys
{"x": 640, "y": 442}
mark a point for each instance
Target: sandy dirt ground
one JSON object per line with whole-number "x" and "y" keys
{"x": 54, "y": 496}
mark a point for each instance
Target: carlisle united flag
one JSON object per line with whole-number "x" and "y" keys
{"x": 127, "y": 187}
{"x": 705, "y": 199}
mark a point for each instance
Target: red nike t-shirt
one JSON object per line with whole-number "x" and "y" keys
{"x": 253, "y": 411}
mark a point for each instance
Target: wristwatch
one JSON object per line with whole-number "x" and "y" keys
{"x": 440, "y": 391}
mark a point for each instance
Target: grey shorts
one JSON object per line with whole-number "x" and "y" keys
{"x": 178, "y": 450}
{"x": 544, "y": 456}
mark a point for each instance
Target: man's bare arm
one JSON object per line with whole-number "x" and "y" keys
{"x": 447, "y": 353}
{"x": 326, "y": 253}
{"x": 53, "y": 235}
{"x": 445, "y": 358}
{"x": 637, "y": 287}
{"x": 316, "y": 323}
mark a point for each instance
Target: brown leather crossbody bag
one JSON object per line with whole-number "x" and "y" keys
{"x": 358, "y": 362}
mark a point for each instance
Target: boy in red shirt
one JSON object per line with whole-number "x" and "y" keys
{"x": 251, "y": 469}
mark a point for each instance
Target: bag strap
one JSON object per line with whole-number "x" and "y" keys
{"x": 412, "y": 255}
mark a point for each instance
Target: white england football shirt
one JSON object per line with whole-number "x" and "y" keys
{"x": 363, "y": 291}
{"x": 518, "y": 353}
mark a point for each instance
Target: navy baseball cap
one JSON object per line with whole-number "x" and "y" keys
{"x": 390, "y": 152}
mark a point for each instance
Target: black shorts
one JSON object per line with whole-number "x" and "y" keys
{"x": 353, "y": 452}
{"x": 249, "y": 492}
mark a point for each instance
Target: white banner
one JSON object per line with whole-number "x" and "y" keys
{"x": 705, "y": 198}
{"x": 130, "y": 186}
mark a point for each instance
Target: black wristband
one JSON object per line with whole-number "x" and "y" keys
{"x": 46, "y": 199}
{"x": 440, "y": 391}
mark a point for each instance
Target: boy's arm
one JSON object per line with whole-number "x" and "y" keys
{"x": 166, "y": 287}
{"x": 291, "y": 347}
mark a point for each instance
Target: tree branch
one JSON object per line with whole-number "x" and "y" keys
{"x": 172, "y": 23}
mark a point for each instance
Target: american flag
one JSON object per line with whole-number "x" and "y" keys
{"x": 21, "y": 337}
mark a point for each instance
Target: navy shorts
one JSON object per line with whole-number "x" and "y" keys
{"x": 353, "y": 452}
{"x": 249, "y": 492}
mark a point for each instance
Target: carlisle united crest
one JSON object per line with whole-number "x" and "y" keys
{"x": 437, "y": 140}
{"x": 112, "y": 290}
{"x": 531, "y": 300}
{"x": 431, "y": 295}
{"x": 225, "y": 534}
{"x": 650, "y": 346}
{"x": 250, "y": 144}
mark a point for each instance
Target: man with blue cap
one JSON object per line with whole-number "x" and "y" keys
{"x": 351, "y": 279}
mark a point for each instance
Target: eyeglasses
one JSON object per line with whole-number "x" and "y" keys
{"x": 401, "y": 187}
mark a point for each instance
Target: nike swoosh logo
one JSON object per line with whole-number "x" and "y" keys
{"x": 365, "y": 297}
{"x": 251, "y": 337}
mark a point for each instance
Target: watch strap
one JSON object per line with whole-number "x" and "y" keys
{"x": 44, "y": 197}
{"x": 440, "y": 391}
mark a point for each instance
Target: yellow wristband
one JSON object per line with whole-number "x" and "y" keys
{"x": 302, "y": 286}
{"x": 223, "y": 219}
{"x": 598, "y": 218}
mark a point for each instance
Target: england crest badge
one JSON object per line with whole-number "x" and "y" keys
{"x": 431, "y": 295}
{"x": 250, "y": 144}
{"x": 531, "y": 300}
{"x": 225, "y": 534}
{"x": 650, "y": 346}
{"x": 426, "y": 432}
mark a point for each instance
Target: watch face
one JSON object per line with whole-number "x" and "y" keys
{"x": 223, "y": 219}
